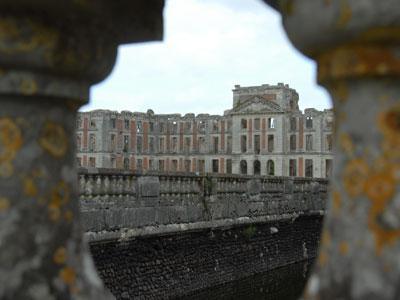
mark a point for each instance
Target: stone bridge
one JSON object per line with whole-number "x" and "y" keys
{"x": 163, "y": 235}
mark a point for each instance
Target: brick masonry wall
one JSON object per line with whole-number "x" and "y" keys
{"x": 187, "y": 263}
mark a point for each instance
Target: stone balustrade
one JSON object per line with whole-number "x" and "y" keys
{"x": 113, "y": 201}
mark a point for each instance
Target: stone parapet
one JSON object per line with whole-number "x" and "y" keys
{"x": 116, "y": 204}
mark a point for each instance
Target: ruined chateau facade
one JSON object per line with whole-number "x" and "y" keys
{"x": 264, "y": 133}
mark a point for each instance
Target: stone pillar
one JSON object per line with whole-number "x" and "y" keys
{"x": 356, "y": 45}
{"x": 50, "y": 55}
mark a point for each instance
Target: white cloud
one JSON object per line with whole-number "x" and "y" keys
{"x": 208, "y": 47}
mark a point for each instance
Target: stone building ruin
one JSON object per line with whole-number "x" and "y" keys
{"x": 264, "y": 133}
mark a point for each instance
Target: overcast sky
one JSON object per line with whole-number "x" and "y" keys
{"x": 209, "y": 46}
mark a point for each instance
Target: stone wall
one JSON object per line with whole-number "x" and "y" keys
{"x": 118, "y": 204}
{"x": 161, "y": 236}
{"x": 192, "y": 265}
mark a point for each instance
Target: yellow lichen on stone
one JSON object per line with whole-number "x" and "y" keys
{"x": 346, "y": 143}
{"x": 326, "y": 238}
{"x": 60, "y": 195}
{"x": 68, "y": 275}
{"x": 355, "y": 176}
{"x": 28, "y": 87}
{"x": 337, "y": 201}
{"x": 10, "y": 143}
{"x": 60, "y": 256}
{"x": 343, "y": 248}
{"x": 322, "y": 258}
{"x": 389, "y": 124}
{"x": 68, "y": 215}
{"x": 10, "y": 139}
{"x": 380, "y": 189}
{"x": 30, "y": 188}
{"x": 53, "y": 139}
{"x": 4, "y": 204}
{"x": 345, "y": 14}
{"x": 54, "y": 213}
{"x": 24, "y": 35}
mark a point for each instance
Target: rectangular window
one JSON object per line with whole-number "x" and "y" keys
{"x": 139, "y": 144}
{"x": 257, "y": 124}
{"x": 161, "y": 166}
{"x": 174, "y": 144}
{"x": 139, "y": 126}
{"x": 215, "y": 144}
{"x": 293, "y": 124}
{"x": 113, "y": 123}
{"x": 329, "y": 143}
{"x": 187, "y": 165}
{"x": 92, "y": 124}
{"x": 187, "y": 144}
{"x": 229, "y": 166}
{"x": 139, "y": 165}
{"x": 309, "y": 122}
{"x": 328, "y": 168}
{"x": 201, "y": 165}
{"x": 92, "y": 142}
{"x": 151, "y": 145}
{"x": 188, "y": 126}
{"x": 161, "y": 145}
{"x": 92, "y": 162}
{"x": 126, "y": 163}
{"x": 215, "y": 126}
{"x": 113, "y": 143}
{"x": 270, "y": 143}
{"x": 174, "y": 166}
{"x": 243, "y": 144}
{"x": 292, "y": 167}
{"x": 79, "y": 162}
{"x": 293, "y": 142}
{"x": 215, "y": 165}
{"x": 174, "y": 127}
{"x": 152, "y": 166}
{"x": 126, "y": 143}
{"x": 127, "y": 124}
{"x": 151, "y": 127}
{"x": 229, "y": 144}
{"x": 271, "y": 123}
{"x": 309, "y": 168}
{"x": 257, "y": 145}
{"x": 78, "y": 142}
{"x": 243, "y": 124}
{"x": 202, "y": 146}
{"x": 112, "y": 162}
{"x": 309, "y": 142}
{"x": 202, "y": 127}
{"x": 162, "y": 127}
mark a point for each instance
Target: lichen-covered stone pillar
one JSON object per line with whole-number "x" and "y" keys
{"x": 356, "y": 45}
{"x": 50, "y": 55}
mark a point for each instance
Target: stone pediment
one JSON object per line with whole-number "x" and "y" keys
{"x": 256, "y": 104}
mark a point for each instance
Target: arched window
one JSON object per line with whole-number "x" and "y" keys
{"x": 257, "y": 167}
{"x": 270, "y": 168}
{"x": 243, "y": 167}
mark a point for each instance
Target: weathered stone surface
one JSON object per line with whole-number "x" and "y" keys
{"x": 175, "y": 265}
{"x": 50, "y": 54}
{"x": 356, "y": 45}
{"x": 201, "y": 199}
